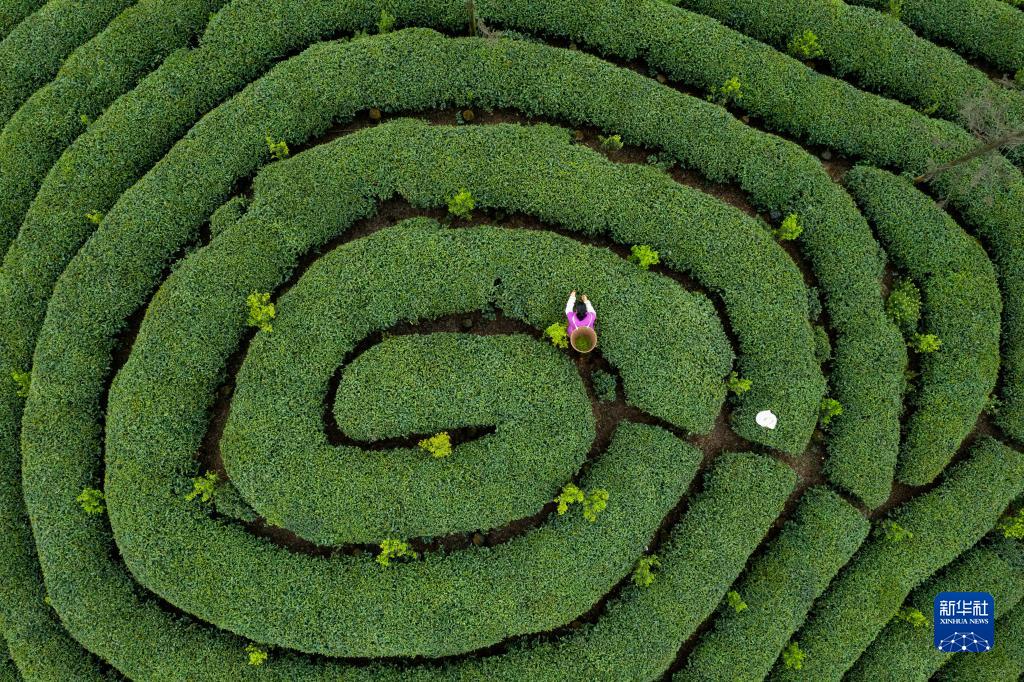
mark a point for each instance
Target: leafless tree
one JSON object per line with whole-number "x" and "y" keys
{"x": 987, "y": 119}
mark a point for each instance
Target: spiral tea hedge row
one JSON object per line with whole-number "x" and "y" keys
{"x": 195, "y": 487}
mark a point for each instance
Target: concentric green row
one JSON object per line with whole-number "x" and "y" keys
{"x": 33, "y": 51}
{"x": 798, "y": 101}
{"x": 907, "y": 652}
{"x": 851, "y": 452}
{"x": 873, "y": 403}
{"x": 90, "y": 79}
{"x": 987, "y": 29}
{"x": 874, "y": 50}
{"x": 666, "y": 344}
{"x": 942, "y": 524}
{"x": 446, "y": 604}
{"x": 961, "y": 305}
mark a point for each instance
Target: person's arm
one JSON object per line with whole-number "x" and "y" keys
{"x": 571, "y": 302}
{"x": 590, "y": 306}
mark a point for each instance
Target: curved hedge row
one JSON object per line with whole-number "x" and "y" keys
{"x": 138, "y": 129}
{"x": 874, "y": 49}
{"x": 989, "y": 29}
{"x": 443, "y": 605}
{"x": 92, "y": 77}
{"x": 33, "y": 51}
{"x": 869, "y": 356}
{"x": 944, "y": 523}
{"x": 961, "y": 306}
{"x": 71, "y": 405}
{"x": 672, "y": 358}
{"x": 13, "y": 12}
{"x": 825, "y": 111}
{"x": 762, "y": 275}
{"x": 867, "y": 429}
{"x": 779, "y": 176}
{"x": 905, "y": 652}
{"x": 52, "y": 241}
{"x": 528, "y": 101}
{"x": 778, "y": 589}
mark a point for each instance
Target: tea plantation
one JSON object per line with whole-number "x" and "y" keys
{"x": 285, "y": 388}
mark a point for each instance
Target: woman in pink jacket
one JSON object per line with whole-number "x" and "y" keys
{"x": 581, "y": 317}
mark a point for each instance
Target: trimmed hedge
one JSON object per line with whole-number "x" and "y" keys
{"x": 444, "y": 604}
{"x": 673, "y": 358}
{"x": 988, "y": 29}
{"x": 779, "y": 588}
{"x": 1004, "y": 662}
{"x": 89, "y": 294}
{"x": 92, "y": 77}
{"x": 944, "y": 522}
{"x": 961, "y": 305}
{"x": 750, "y": 487}
{"x": 825, "y": 111}
{"x": 875, "y": 50}
{"x": 54, "y": 231}
{"x": 867, "y": 370}
{"x": 13, "y": 12}
{"x": 33, "y": 51}
{"x": 797, "y": 424}
{"x": 617, "y": 106}
{"x": 904, "y": 652}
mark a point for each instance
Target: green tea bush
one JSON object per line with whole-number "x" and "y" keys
{"x": 793, "y": 657}
{"x": 278, "y": 149}
{"x": 646, "y": 571}
{"x": 738, "y": 385}
{"x": 22, "y": 382}
{"x": 779, "y": 588}
{"x": 829, "y": 410}
{"x": 386, "y": 23}
{"x": 570, "y": 494}
{"x": 913, "y": 616}
{"x": 557, "y": 333}
{"x": 391, "y": 549}
{"x": 960, "y": 511}
{"x": 644, "y": 256}
{"x": 595, "y": 502}
{"x": 789, "y": 229}
{"x": 203, "y": 488}
{"x": 91, "y": 501}
{"x": 65, "y": 314}
{"x": 261, "y": 311}
{"x": 255, "y": 655}
{"x": 1013, "y": 526}
{"x": 735, "y": 601}
{"x": 961, "y": 306}
{"x": 805, "y": 45}
{"x": 925, "y": 343}
{"x": 730, "y": 91}
{"x": 609, "y": 143}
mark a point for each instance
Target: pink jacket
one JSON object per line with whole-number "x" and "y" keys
{"x": 574, "y": 322}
